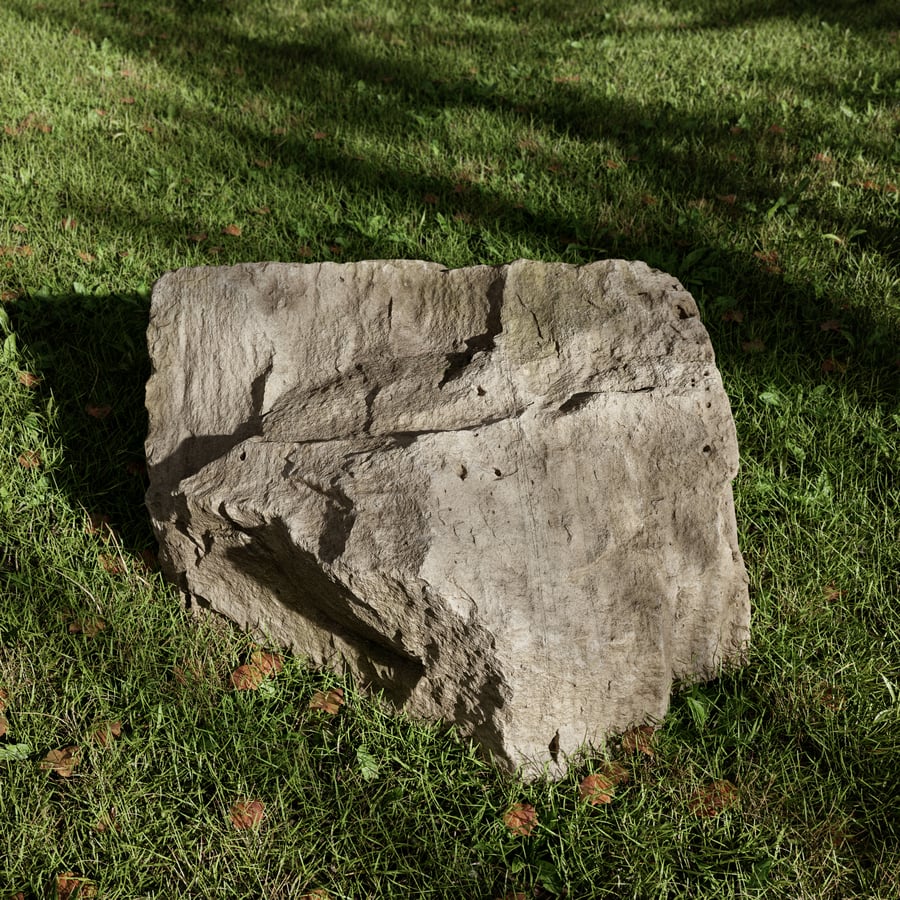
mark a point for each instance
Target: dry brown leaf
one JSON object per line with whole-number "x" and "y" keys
{"x": 232, "y": 230}
{"x": 247, "y": 814}
{"x": 107, "y": 821}
{"x": 4, "y": 699}
{"x": 733, "y": 315}
{"x": 106, "y": 732}
{"x": 111, "y": 563}
{"x": 8, "y": 295}
{"x": 833, "y": 365}
{"x": 521, "y": 819}
{"x": 320, "y": 135}
{"x": 87, "y": 257}
{"x": 261, "y": 210}
{"x": 29, "y": 380}
{"x": 16, "y": 250}
{"x": 70, "y": 886}
{"x": 68, "y": 224}
{"x": 328, "y": 701}
{"x": 831, "y": 325}
{"x": 754, "y": 346}
{"x": 639, "y": 740}
{"x": 4, "y": 725}
{"x": 430, "y": 199}
{"x": 267, "y": 663}
{"x": 713, "y": 798}
{"x": 89, "y": 627}
{"x": 128, "y": 101}
{"x": 63, "y": 761}
{"x": 19, "y": 228}
{"x": 98, "y": 524}
{"x": 246, "y": 678}
{"x": 198, "y": 237}
{"x": 98, "y": 411}
{"x": 599, "y": 787}
{"x": 316, "y": 894}
{"x": 30, "y": 459}
{"x": 832, "y": 593}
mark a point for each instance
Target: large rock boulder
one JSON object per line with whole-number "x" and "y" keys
{"x": 501, "y": 494}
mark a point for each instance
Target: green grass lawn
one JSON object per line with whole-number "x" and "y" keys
{"x": 749, "y": 147}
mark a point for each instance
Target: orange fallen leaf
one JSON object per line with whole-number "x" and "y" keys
{"x": 98, "y": 410}
{"x": 612, "y": 164}
{"x": 8, "y": 295}
{"x": 89, "y": 627}
{"x": 639, "y": 740}
{"x": 16, "y": 250}
{"x": 4, "y": 699}
{"x": 30, "y": 459}
{"x": 736, "y": 129}
{"x": 232, "y": 230}
{"x": 198, "y": 237}
{"x": 62, "y": 762}
{"x": 775, "y": 129}
{"x": 831, "y": 593}
{"x": 713, "y": 798}
{"x": 128, "y": 101}
{"x": 246, "y": 678}
{"x": 87, "y": 257}
{"x": 68, "y": 224}
{"x": 728, "y": 199}
{"x": 263, "y": 163}
{"x": 115, "y": 565}
{"x": 599, "y": 787}
{"x": 70, "y": 886}
{"x": 261, "y": 210}
{"x": 4, "y": 725}
{"x": 320, "y": 135}
{"x": 19, "y": 229}
{"x": 267, "y": 663}
{"x": 521, "y": 819}
{"x": 106, "y": 732}
{"x": 328, "y": 701}
{"x": 247, "y": 814}
{"x": 101, "y": 112}
{"x": 29, "y": 380}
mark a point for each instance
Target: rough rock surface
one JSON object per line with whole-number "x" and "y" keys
{"x": 502, "y": 494}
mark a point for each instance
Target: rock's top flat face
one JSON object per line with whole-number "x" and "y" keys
{"x": 501, "y": 493}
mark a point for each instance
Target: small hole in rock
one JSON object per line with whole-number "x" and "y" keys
{"x": 462, "y": 472}
{"x": 480, "y": 391}
{"x": 707, "y": 449}
{"x": 497, "y": 472}
{"x": 243, "y": 455}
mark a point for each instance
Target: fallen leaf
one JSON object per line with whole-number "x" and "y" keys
{"x": 713, "y": 798}
{"x": 4, "y": 699}
{"x": 305, "y": 251}
{"x": 316, "y": 894}
{"x": 263, "y": 163}
{"x": 267, "y": 663}
{"x": 639, "y": 740}
{"x": 247, "y": 814}
{"x": 101, "y": 112}
{"x": 246, "y": 678}
{"x": 16, "y": 250}
{"x": 596, "y": 789}
{"x": 728, "y": 199}
{"x": 775, "y": 129}
{"x": 115, "y": 565}
{"x": 754, "y": 346}
{"x": 567, "y": 79}
{"x": 320, "y": 135}
{"x": 261, "y": 210}
{"x": 4, "y": 725}
{"x": 29, "y": 380}
{"x": 89, "y": 627}
{"x": 107, "y": 821}
{"x": 328, "y": 701}
{"x": 87, "y": 257}
{"x": 612, "y": 164}
{"x": 831, "y": 593}
{"x": 736, "y": 129}
{"x": 70, "y": 886}
{"x": 8, "y": 295}
{"x": 769, "y": 259}
{"x": 831, "y": 697}
{"x": 62, "y": 762}
{"x": 128, "y": 101}
{"x": 98, "y": 411}
{"x": 521, "y": 819}
{"x": 732, "y": 315}
{"x": 831, "y": 325}
{"x": 430, "y": 199}
{"x": 232, "y": 230}
{"x": 98, "y": 524}
{"x": 822, "y": 159}
{"x": 30, "y": 459}
{"x": 105, "y": 732}
{"x": 514, "y": 895}
{"x": 20, "y": 229}
{"x": 833, "y": 365}
{"x": 198, "y": 237}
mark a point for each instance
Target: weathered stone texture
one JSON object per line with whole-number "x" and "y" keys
{"x": 503, "y": 494}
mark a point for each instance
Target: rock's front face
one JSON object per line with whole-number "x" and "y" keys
{"x": 501, "y": 494}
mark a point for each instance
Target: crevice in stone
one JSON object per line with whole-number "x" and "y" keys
{"x": 479, "y": 343}
{"x": 370, "y": 409}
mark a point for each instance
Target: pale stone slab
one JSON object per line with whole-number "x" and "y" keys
{"x": 502, "y": 494}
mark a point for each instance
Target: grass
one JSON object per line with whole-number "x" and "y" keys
{"x": 750, "y": 148}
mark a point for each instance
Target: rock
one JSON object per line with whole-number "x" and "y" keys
{"x": 501, "y": 494}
